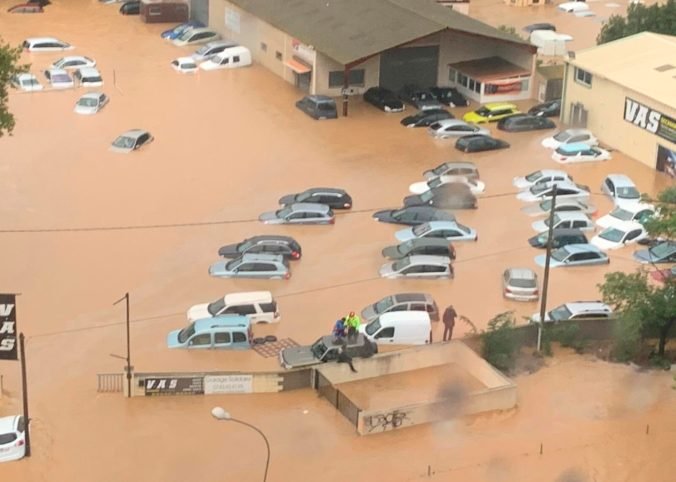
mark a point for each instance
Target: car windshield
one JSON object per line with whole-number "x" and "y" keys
{"x": 612, "y": 234}
{"x": 628, "y": 193}
{"x": 560, "y": 254}
{"x": 399, "y": 265}
{"x": 661, "y": 250}
{"x": 186, "y": 333}
{"x": 215, "y": 307}
{"x": 186, "y": 34}
{"x": 188, "y": 65}
{"x": 421, "y": 229}
{"x": 440, "y": 169}
{"x": 539, "y": 188}
{"x": 556, "y": 220}
{"x": 435, "y": 183}
{"x": 534, "y": 176}
{"x": 232, "y": 264}
{"x": 404, "y": 248}
{"x": 483, "y": 111}
{"x": 124, "y": 142}
{"x": 283, "y": 213}
{"x": 562, "y": 136}
{"x": 88, "y": 102}
{"x": 244, "y": 246}
{"x": 372, "y": 327}
{"x": 318, "y": 349}
{"x": 622, "y": 214}
{"x": 384, "y": 305}
{"x": 561, "y": 313}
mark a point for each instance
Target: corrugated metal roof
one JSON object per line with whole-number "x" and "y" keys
{"x": 349, "y": 30}
{"x": 634, "y": 62}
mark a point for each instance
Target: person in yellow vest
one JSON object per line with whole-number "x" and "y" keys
{"x": 352, "y": 322}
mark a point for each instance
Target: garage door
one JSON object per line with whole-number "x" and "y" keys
{"x": 199, "y": 10}
{"x": 412, "y": 65}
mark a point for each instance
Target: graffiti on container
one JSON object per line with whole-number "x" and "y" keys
{"x": 386, "y": 421}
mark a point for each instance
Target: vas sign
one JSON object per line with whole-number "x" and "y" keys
{"x": 8, "y": 350}
{"x": 649, "y": 119}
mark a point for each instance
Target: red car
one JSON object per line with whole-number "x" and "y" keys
{"x": 26, "y": 8}
{"x": 663, "y": 274}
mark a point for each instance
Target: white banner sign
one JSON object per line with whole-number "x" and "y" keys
{"x": 232, "y": 20}
{"x": 215, "y": 384}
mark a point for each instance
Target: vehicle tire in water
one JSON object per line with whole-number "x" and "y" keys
{"x": 271, "y": 338}
{"x": 259, "y": 341}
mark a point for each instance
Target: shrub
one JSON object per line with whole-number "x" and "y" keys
{"x": 500, "y": 343}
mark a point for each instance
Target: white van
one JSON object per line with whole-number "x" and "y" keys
{"x": 259, "y": 306}
{"x": 88, "y": 77}
{"x": 227, "y": 59}
{"x": 399, "y": 328}
{"x": 12, "y": 438}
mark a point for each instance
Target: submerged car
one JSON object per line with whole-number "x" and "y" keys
{"x": 419, "y": 98}
{"x": 413, "y": 215}
{"x": 480, "y": 143}
{"x": 59, "y": 79}
{"x": 420, "y": 246}
{"x": 449, "y": 230}
{"x": 453, "y": 168}
{"x": 333, "y": 197}
{"x": 225, "y": 331}
{"x": 195, "y": 36}
{"x": 257, "y": 306}
{"x": 264, "y": 244}
{"x": 475, "y": 186}
{"x": 639, "y": 212}
{"x": 401, "y": 302}
{"x": 91, "y": 103}
{"x": 178, "y": 30}
{"x": 540, "y": 176}
{"x": 621, "y": 189}
{"x": 430, "y": 267}
{"x": 265, "y": 266}
{"x": 570, "y": 136}
{"x": 446, "y": 196}
{"x": 562, "y": 206}
{"x": 426, "y": 117}
{"x": 449, "y": 96}
{"x": 525, "y": 122}
{"x": 12, "y": 438}
{"x": 574, "y": 255}
{"x": 73, "y": 62}
{"x": 184, "y": 65}
{"x": 663, "y": 252}
{"x": 569, "y": 219}
{"x": 26, "y": 82}
{"x": 491, "y": 112}
{"x": 575, "y": 310}
{"x": 446, "y": 128}
{"x": 45, "y": 44}
{"x": 212, "y": 48}
{"x": 326, "y": 349}
{"x": 579, "y": 152}
{"x": 545, "y": 191}
{"x": 132, "y": 7}
{"x": 26, "y": 8}
{"x": 619, "y": 235}
{"x": 520, "y": 284}
{"x": 384, "y": 99}
{"x": 299, "y": 213}
{"x": 560, "y": 238}
{"x": 551, "y": 108}
{"x": 131, "y": 140}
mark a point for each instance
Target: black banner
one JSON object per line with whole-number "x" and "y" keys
{"x": 174, "y": 386}
{"x": 8, "y": 331}
{"x": 650, "y": 119}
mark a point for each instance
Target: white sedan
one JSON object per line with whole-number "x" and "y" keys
{"x": 91, "y": 103}
{"x": 562, "y": 205}
{"x": 564, "y": 190}
{"x": 580, "y": 152}
{"x": 638, "y": 212}
{"x": 619, "y": 235}
{"x": 540, "y": 176}
{"x": 12, "y": 438}
{"x": 573, "y": 7}
{"x": 26, "y": 82}
{"x": 455, "y": 128}
{"x": 59, "y": 79}
{"x": 185, "y": 65}
{"x": 73, "y": 62}
{"x": 475, "y": 186}
{"x": 570, "y": 136}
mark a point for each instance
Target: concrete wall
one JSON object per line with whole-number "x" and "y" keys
{"x": 325, "y": 64}
{"x": 605, "y": 102}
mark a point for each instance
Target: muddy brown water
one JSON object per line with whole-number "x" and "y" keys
{"x": 228, "y": 145}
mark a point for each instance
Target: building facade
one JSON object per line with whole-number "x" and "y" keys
{"x": 485, "y": 66}
{"x": 625, "y": 92}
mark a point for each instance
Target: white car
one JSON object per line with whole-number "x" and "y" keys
{"x": 638, "y": 212}
{"x": 12, "y": 438}
{"x": 73, "y": 62}
{"x": 195, "y": 36}
{"x": 565, "y": 220}
{"x": 562, "y": 205}
{"x": 619, "y": 235}
{"x": 475, "y": 186}
{"x": 450, "y": 230}
{"x": 59, "y": 79}
{"x": 45, "y": 44}
{"x": 621, "y": 189}
{"x": 455, "y": 128}
{"x": 418, "y": 266}
{"x": 229, "y": 58}
{"x": 453, "y": 168}
{"x": 26, "y": 82}
{"x": 212, "y": 48}
{"x": 545, "y": 191}
{"x": 184, "y": 65}
{"x": 579, "y": 152}
{"x": 570, "y": 136}
{"x": 91, "y": 103}
{"x": 573, "y": 7}
{"x": 540, "y": 176}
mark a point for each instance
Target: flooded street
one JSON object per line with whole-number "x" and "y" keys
{"x": 227, "y": 145}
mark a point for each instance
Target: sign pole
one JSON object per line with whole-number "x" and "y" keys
{"x": 548, "y": 257}
{"x": 24, "y": 390}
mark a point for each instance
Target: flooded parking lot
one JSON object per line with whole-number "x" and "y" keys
{"x": 228, "y": 145}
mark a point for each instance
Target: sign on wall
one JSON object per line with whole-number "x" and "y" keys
{"x": 649, "y": 119}
{"x": 174, "y": 386}
{"x": 214, "y": 384}
{"x": 666, "y": 161}
{"x": 305, "y": 52}
{"x": 8, "y": 330}
{"x": 232, "y": 20}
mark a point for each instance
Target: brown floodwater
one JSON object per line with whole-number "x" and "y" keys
{"x": 228, "y": 145}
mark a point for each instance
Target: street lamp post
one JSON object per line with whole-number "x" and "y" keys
{"x": 126, "y": 298}
{"x": 220, "y": 414}
{"x": 548, "y": 256}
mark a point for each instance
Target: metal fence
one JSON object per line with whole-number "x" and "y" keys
{"x": 110, "y": 382}
{"x": 336, "y": 398}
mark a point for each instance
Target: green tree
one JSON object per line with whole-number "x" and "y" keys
{"x": 500, "y": 342}
{"x": 655, "y": 18}
{"x": 508, "y": 29}
{"x": 644, "y": 306}
{"x": 9, "y": 66}
{"x": 664, "y": 223}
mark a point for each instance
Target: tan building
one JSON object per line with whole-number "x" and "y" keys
{"x": 325, "y": 46}
{"x": 625, "y": 92}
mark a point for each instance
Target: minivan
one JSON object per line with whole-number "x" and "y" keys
{"x": 560, "y": 238}
{"x": 12, "y": 438}
{"x": 318, "y": 107}
{"x": 228, "y": 331}
{"x": 258, "y": 306}
{"x": 88, "y": 77}
{"x": 229, "y": 58}
{"x": 399, "y": 328}
{"x": 402, "y": 302}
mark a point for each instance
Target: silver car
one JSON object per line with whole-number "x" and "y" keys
{"x": 418, "y": 266}
{"x": 574, "y": 255}
{"x": 266, "y": 266}
{"x": 520, "y": 284}
{"x": 451, "y": 230}
{"x": 446, "y": 128}
{"x": 299, "y": 213}
{"x": 569, "y": 219}
{"x": 212, "y": 48}
{"x": 131, "y": 141}
{"x": 90, "y": 104}
{"x": 562, "y": 206}
{"x": 326, "y": 349}
{"x": 467, "y": 169}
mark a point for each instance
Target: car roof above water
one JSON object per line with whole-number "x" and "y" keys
{"x": 224, "y": 321}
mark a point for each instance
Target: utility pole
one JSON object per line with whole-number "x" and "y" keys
{"x": 545, "y": 280}
{"x": 129, "y": 367}
{"x": 24, "y": 391}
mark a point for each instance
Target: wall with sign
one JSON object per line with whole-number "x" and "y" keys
{"x": 8, "y": 330}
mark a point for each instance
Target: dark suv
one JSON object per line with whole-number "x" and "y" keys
{"x": 383, "y": 99}
{"x": 421, "y": 99}
{"x": 318, "y": 107}
{"x": 525, "y": 122}
{"x": 449, "y": 96}
{"x": 333, "y": 197}
{"x": 560, "y": 238}
{"x": 267, "y": 244}
{"x": 418, "y": 246}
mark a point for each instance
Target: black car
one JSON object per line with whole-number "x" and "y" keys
{"x": 425, "y": 118}
{"x": 478, "y": 143}
{"x": 449, "y": 96}
{"x": 525, "y": 122}
{"x": 560, "y": 238}
{"x": 383, "y": 99}
{"x": 131, "y": 8}
{"x": 413, "y": 215}
{"x": 420, "y": 246}
{"x": 447, "y": 196}
{"x": 42, "y": 3}
{"x": 539, "y": 26}
{"x": 267, "y": 244}
{"x": 333, "y": 197}
{"x": 547, "y": 109}
{"x": 419, "y": 98}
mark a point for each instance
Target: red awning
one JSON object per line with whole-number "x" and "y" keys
{"x": 297, "y": 67}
